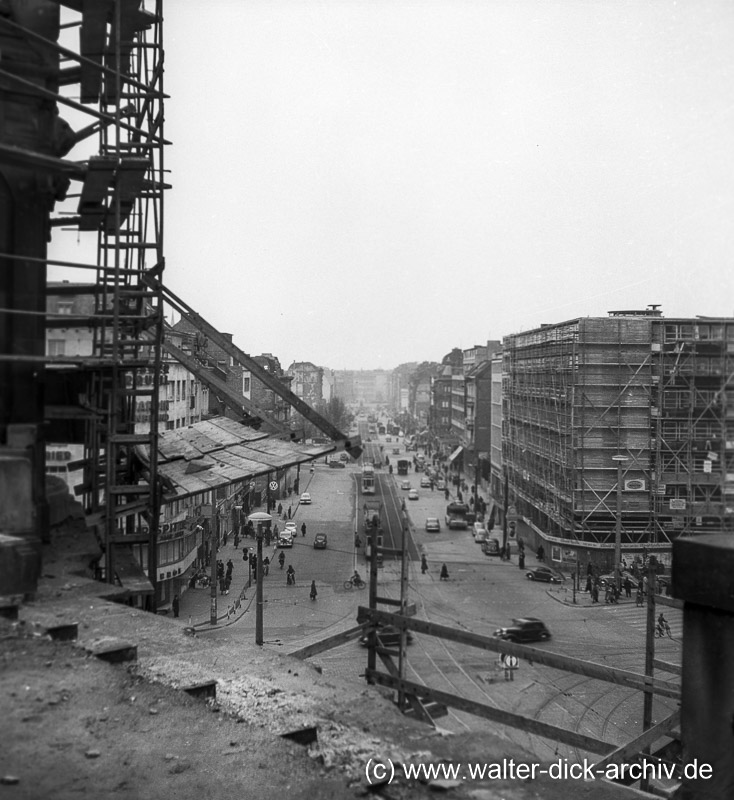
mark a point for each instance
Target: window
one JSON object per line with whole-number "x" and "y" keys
{"x": 64, "y": 307}
{"x": 245, "y": 384}
{"x": 56, "y": 347}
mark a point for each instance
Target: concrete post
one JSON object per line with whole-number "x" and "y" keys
{"x": 702, "y": 577}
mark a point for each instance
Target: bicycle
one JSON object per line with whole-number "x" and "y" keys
{"x": 354, "y": 581}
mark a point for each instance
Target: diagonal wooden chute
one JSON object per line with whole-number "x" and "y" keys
{"x": 353, "y": 446}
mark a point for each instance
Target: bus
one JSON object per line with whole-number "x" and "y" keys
{"x": 368, "y": 479}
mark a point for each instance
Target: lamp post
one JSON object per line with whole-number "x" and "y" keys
{"x": 618, "y": 528}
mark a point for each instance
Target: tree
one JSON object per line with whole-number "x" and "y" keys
{"x": 335, "y": 412}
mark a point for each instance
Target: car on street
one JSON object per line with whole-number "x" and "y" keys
{"x": 291, "y": 526}
{"x": 441, "y": 484}
{"x": 389, "y": 634}
{"x": 611, "y": 579}
{"x": 336, "y": 463}
{"x": 479, "y": 532}
{"x": 285, "y": 539}
{"x": 524, "y": 629}
{"x": 543, "y": 573}
{"x": 319, "y": 541}
{"x": 433, "y": 525}
{"x": 305, "y": 499}
{"x": 491, "y": 547}
{"x": 405, "y": 485}
{"x": 425, "y": 482}
{"x": 413, "y": 494}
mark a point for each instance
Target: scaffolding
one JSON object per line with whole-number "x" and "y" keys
{"x": 114, "y": 80}
{"x": 634, "y": 385}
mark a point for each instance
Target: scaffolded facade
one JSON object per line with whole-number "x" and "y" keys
{"x": 633, "y": 385}
{"x": 110, "y": 84}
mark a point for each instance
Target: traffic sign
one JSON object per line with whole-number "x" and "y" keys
{"x": 273, "y": 485}
{"x": 510, "y": 662}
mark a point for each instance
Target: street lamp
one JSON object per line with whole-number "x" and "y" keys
{"x": 618, "y": 529}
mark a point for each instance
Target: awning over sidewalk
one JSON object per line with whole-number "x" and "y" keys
{"x": 456, "y": 453}
{"x": 220, "y": 451}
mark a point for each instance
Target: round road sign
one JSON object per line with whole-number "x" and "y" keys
{"x": 510, "y": 662}
{"x": 273, "y": 485}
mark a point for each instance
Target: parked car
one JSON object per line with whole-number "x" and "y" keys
{"x": 611, "y": 579}
{"x": 479, "y": 532}
{"x": 413, "y": 494}
{"x": 433, "y": 525}
{"x": 405, "y": 484}
{"x": 425, "y": 482}
{"x": 524, "y": 629}
{"x": 306, "y": 499}
{"x": 319, "y": 541}
{"x": 390, "y": 636}
{"x": 542, "y": 573}
{"x": 336, "y": 463}
{"x": 491, "y": 547}
{"x": 285, "y": 539}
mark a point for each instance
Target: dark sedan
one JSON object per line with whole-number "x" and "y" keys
{"x": 524, "y": 629}
{"x": 542, "y": 573}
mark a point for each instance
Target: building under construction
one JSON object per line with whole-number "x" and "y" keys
{"x": 101, "y": 65}
{"x": 632, "y": 395}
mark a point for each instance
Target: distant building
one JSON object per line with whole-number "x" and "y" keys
{"x": 307, "y": 381}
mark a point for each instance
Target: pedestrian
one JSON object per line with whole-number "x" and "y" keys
{"x": 281, "y": 559}
{"x": 227, "y": 584}
{"x": 230, "y": 566}
{"x": 313, "y": 590}
{"x": 540, "y": 552}
{"x": 627, "y": 586}
{"x": 444, "y": 573}
{"x": 290, "y": 509}
{"x": 424, "y": 564}
{"x": 639, "y": 598}
{"x": 280, "y": 509}
{"x": 303, "y": 529}
{"x": 446, "y": 493}
{"x": 221, "y": 585}
{"x": 226, "y": 533}
{"x": 275, "y": 531}
{"x": 266, "y": 565}
{"x": 589, "y": 584}
{"x": 236, "y": 540}
{"x": 595, "y": 592}
{"x": 521, "y": 559}
{"x": 290, "y": 576}
{"x": 175, "y": 605}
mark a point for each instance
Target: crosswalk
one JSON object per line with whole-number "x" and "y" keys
{"x": 636, "y": 617}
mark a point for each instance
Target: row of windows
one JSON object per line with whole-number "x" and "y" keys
{"x": 687, "y": 331}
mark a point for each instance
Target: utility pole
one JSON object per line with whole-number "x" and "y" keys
{"x": 214, "y": 546}
{"x": 618, "y": 526}
{"x": 259, "y": 605}
{"x": 649, "y": 654}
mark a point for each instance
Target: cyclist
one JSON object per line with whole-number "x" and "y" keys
{"x": 357, "y": 578}
{"x": 663, "y": 626}
{"x": 281, "y": 559}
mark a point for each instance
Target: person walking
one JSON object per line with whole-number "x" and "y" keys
{"x": 280, "y": 509}
{"x": 444, "y": 573}
{"x": 281, "y": 559}
{"x": 175, "y": 605}
{"x": 639, "y": 597}
{"x": 313, "y": 590}
{"x": 424, "y": 564}
{"x": 290, "y": 576}
{"x": 266, "y": 565}
{"x": 627, "y": 586}
{"x": 303, "y": 529}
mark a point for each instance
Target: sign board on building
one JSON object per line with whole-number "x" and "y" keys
{"x": 677, "y": 505}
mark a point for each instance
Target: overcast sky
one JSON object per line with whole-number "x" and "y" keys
{"x": 361, "y": 184}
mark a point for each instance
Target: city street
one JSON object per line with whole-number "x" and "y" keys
{"x": 481, "y": 594}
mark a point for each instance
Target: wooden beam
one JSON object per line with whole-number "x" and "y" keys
{"x": 626, "y": 753}
{"x": 633, "y": 680}
{"x": 328, "y": 643}
{"x": 527, "y": 724}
